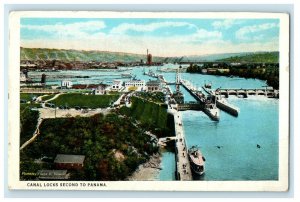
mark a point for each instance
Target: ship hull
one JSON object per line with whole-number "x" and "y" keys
{"x": 197, "y": 161}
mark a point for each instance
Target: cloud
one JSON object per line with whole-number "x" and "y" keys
{"x": 244, "y": 32}
{"x": 91, "y": 35}
{"x": 125, "y": 27}
{"x": 74, "y": 30}
{"x": 158, "y": 46}
{"x": 224, "y": 24}
{"x": 205, "y": 34}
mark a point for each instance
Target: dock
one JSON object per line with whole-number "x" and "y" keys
{"x": 208, "y": 106}
{"x": 183, "y": 167}
{"x": 226, "y": 107}
{"x": 222, "y": 103}
{"x": 191, "y": 89}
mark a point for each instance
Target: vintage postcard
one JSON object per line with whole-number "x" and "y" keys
{"x": 164, "y": 101}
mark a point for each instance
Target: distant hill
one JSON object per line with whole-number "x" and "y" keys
{"x": 228, "y": 57}
{"x": 80, "y": 55}
{"x": 105, "y": 56}
{"x": 210, "y": 57}
{"x": 260, "y": 57}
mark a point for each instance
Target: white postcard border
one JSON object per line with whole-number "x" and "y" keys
{"x": 14, "y": 114}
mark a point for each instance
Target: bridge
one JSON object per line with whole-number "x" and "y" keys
{"x": 245, "y": 92}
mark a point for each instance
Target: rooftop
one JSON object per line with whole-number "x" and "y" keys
{"x": 153, "y": 82}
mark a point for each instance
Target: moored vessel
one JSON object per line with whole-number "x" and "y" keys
{"x": 197, "y": 160}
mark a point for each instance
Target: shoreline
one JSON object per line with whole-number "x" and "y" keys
{"x": 148, "y": 171}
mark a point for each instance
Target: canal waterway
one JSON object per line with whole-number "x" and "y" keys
{"x": 235, "y": 148}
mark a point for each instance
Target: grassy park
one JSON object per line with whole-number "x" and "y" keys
{"x": 47, "y": 97}
{"x": 81, "y": 100}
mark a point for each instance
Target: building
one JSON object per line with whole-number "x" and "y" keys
{"x": 135, "y": 83}
{"x": 117, "y": 85}
{"x": 66, "y": 84}
{"x": 23, "y": 77}
{"x": 100, "y": 90}
{"x": 153, "y": 86}
{"x": 149, "y": 58}
{"x": 65, "y": 161}
{"x": 211, "y": 70}
{"x": 223, "y": 70}
{"x": 43, "y": 79}
{"x": 53, "y": 175}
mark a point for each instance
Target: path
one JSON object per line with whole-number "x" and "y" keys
{"x": 35, "y": 134}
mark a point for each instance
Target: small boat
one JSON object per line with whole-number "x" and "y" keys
{"x": 207, "y": 85}
{"x": 126, "y": 75}
{"x": 197, "y": 160}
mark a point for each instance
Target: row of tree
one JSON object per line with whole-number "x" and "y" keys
{"x": 264, "y": 71}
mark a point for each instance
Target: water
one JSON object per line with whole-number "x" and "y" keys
{"x": 238, "y": 158}
{"x": 168, "y": 166}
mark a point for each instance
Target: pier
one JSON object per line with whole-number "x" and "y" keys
{"x": 208, "y": 106}
{"x": 222, "y": 103}
{"x": 183, "y": 167}
{"x": 191, "y": 89}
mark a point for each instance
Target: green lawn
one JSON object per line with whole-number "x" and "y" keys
{"x": 152, "y": 116}
{"x": 29, "y": 96}
{"x": 91, "y": 101}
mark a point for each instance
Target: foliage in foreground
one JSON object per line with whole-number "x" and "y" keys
{"x": 98, "y": 138}
{"x": 28, "y": 121}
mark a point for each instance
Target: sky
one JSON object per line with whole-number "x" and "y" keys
{"x": 163, "y": 37}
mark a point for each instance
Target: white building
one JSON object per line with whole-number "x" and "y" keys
{"x": 66, "y": 84}
{"x": 100, "y": 90}
{"x": 117, "y": 85}
{"x": 23, "y": 77}
{"x": 135, "y": 83}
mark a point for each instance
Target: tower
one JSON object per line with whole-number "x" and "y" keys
{"x": 149, "y": 58}
{"x": 178, "y": 96}
{"x": 43, "y": 80}
{"x": 178, "y": 79}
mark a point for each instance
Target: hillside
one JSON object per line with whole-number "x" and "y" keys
{"x": 80, "y": 55}
{"x": 210, "y": 57}
{"x": 262, "y": 57}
